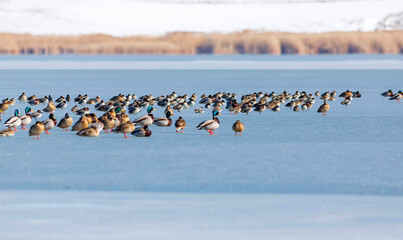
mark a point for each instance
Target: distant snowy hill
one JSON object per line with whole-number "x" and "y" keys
{"x": 152, "y": 17}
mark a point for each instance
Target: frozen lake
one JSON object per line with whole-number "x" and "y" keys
{"x": 351, "y": 159}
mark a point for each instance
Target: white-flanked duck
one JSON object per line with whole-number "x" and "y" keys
{"x": 211, "y": 124}
{"x": 146, "y": 119}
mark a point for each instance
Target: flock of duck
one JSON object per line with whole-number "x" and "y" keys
{"x": 115, "y": 119}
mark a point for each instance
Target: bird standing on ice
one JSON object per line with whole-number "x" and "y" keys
{"x": 238, "y": 127}
{"x": 324, "y": 108}
{"x": 211, "y": 124}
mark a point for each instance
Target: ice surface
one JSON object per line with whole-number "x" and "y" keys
{"x": 134, "y": 17}
{"x": 291, "y": 174}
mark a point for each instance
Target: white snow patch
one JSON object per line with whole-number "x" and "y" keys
{"x": 137, "y": 17}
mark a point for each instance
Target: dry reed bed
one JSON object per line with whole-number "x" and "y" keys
{"x": 246, "y": 42}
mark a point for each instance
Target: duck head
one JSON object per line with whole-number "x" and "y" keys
{"x": 215, "y": 113}
{"x": 51, "y": 116}
{"x": 28, "y": 109}
{"x": 150, "y": 109}
{"x": 169, "y": 114}
{"x": 16, "y": 112}
{"x": 118, "y": 110}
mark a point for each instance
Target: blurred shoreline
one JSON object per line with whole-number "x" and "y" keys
{"x": 245, "y": 42}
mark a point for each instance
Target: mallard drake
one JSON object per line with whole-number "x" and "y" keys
{"x": 37, "y": 114}
{"x": 14, "y": 121}
{"x": 27, "y": 118}
{"x": 3, "y": 107}
{"x": 83, "y": 111}
{"x": 134, "y": 109}
{"x": 22, "y": 97}
{"x": 324, "y": 108}
{"x": 211, "y": 124}
{"x": 388, "y": 93}
{"x": 8, "y": 132}
{"x": 142, "y": 132}
{"x": 37, "y": 129}
{"x": 92, "y": 131}
{"x": 50, "y": 108}
{"x": 146, "y": 119}
{"x": 65, "y": 122}
{"x": 164, "y": 122}
{"x": 125, "y": 128}
{"x": 50, "y": 123}
{"x": 82, "y": 123}
{"x": 44, "y": 100}
{"x": 180, "y": 124}
{"x": 60, "y": 99}
{"x": 397, "y": 96}
{"x": 238, "y": 127}
{"x": 62, "y": 104}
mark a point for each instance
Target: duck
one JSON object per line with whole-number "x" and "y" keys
{"x": 62, "y": 104}
{"x": 134, "y": 109}
{"x": 92, "y": 131}
{"x": 356, "y": 94}
{"x": 33, "y": 102}
{"x": 68, "y": 98}
{"x": 37, "y": 129}
{"x": 4, "y": 107}
{"x": 142, "y": 132}
{"x": 324, "y": 108}
{"x": 398, "y": 96}
{"x": 60, "y": 99}
{"x": 74, "y": 109}
{"x": 50, "y": 123}
{"x": 27, "y": 118}
{"x": 37, "y": 114}
{"x": 180, "y": 124}
{"x": 108, "y": 122}
{"x": 211, "y": 124}
{"x": 164, "y": 122}
{"x": 32, "y": 98}
{"x": 388, "y": 93}
{"x": 199, "y": 110}
{"x": 8, "y": 132}
{"x": 65, "y": 122}
{"x": 260, "y": 108}
{"x": 146, "y": 119}
{"x": 22, "y": 97}
{"x": 346, "y": 94}
{"x": 14, "y": 121}
{"x": 125, "y": 128}
{"x": 82, "y": 123}
{"x": 238, "y": 127}
{"x": 83, "y": 111}
{"x": 347, "y": 101}
{"x": 50, "y": 107}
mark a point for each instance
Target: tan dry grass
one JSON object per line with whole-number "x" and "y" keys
{"x": 245, "y": 42}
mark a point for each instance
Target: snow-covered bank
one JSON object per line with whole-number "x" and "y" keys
{"x": 48, "y": 215}
{"x": 123, "y": 17}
